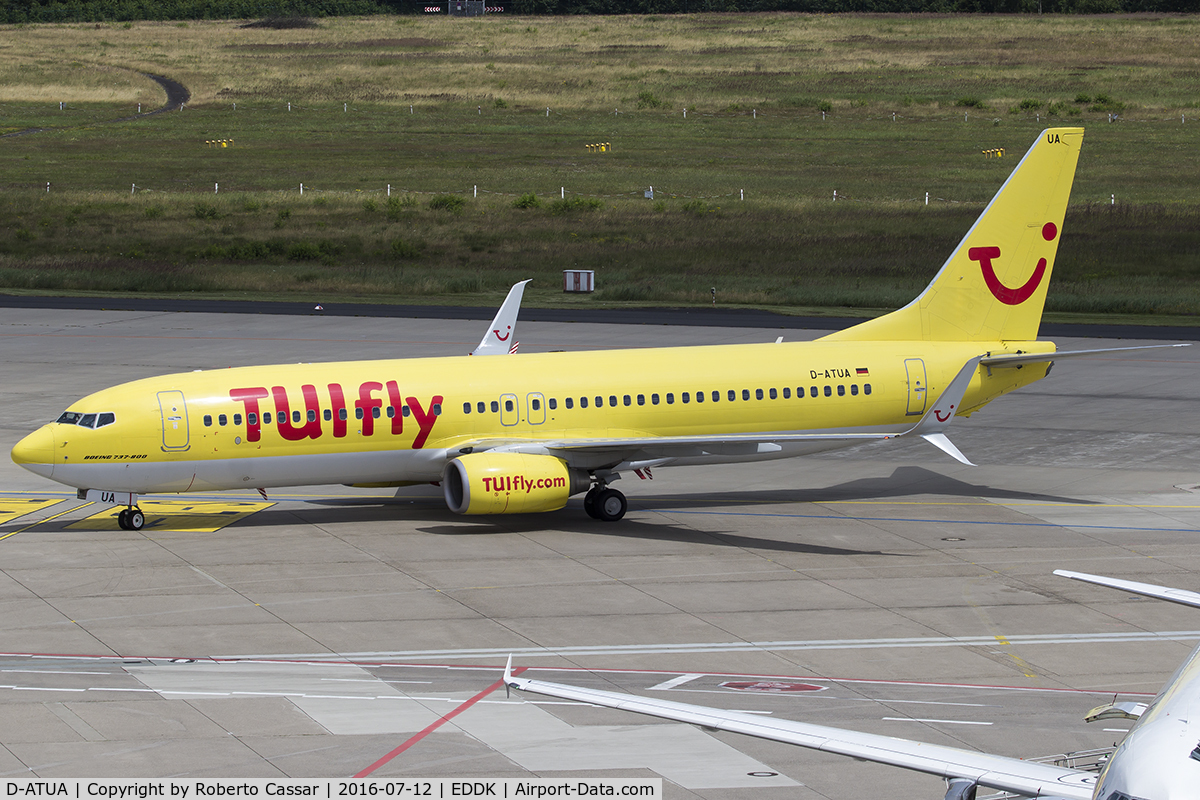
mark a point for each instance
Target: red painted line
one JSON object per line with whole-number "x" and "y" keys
{"x": 435, "y": 725}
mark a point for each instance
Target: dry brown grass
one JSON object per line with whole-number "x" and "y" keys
{"x": 710, "y": 62}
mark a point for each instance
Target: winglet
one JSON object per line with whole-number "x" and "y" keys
{"x": 500, "y": 337}
{"x": 937, "y": 419}
{"x": 508, "y": 677}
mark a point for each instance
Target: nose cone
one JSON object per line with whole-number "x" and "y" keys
{"x": 36, "y": 452}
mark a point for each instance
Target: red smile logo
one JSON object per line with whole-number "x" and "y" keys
{"x": 1005, "y": 294}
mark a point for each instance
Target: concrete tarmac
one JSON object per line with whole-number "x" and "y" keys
{"x": 884, "y": 588}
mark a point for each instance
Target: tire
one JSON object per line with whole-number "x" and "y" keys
{"x": 123, "y": 519}
{"x": 136, "y": 520}
{"x": 589, "y": 502}
{"x": 610, "y": 505}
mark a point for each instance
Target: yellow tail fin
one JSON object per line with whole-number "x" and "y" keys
{"x": 993, "y": 286}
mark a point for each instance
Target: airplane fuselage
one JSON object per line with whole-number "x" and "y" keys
{"x": 395, "y": 421}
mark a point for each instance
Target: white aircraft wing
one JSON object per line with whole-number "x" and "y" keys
{"x": 501, "y": 336}
{"x": 996, "y": 772}
{"x": 1181, "y": 596}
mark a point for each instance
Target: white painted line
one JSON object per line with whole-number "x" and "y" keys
{"x": 738, "y": 647}
{"x": 1116, "y": 730}
{"x": 58, "y": 672}
{"x": 938, "y": 721}
{"x": 682, "y": 679}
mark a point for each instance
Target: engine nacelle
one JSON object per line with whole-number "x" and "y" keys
{"x": 509, "y": 483}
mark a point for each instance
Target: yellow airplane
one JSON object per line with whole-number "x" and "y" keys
{"x": 525, "y": 433}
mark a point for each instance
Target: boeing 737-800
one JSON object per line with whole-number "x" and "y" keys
{"x": 1159, "y": 759}
{"x": 523, "y": 434}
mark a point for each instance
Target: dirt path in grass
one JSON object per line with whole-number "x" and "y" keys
{"x": 177, "y": 95}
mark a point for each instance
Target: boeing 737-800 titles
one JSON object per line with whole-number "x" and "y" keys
{"x": 1159, "y": 759}
{"x": 523, "y": 434}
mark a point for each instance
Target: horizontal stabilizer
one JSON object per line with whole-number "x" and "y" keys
{"x": 1016, "y": 359}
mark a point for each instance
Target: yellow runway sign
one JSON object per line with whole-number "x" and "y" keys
{"x": 175, "y": 515}
{"x": 11, "y": 509}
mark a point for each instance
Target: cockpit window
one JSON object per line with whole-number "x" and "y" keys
{"x": 87, "y": 420}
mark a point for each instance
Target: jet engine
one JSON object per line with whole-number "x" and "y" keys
{"x": 510, "y": 483}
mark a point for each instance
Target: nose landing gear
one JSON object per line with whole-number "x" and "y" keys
{"x": 131, "y": 519}
{"x": 604, "y": 503}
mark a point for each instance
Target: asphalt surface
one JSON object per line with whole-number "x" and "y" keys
{"x": 699, "y": 317}
{"x": 322, "y": 631}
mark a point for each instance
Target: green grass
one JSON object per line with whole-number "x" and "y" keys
{"x": 484, "y": 193}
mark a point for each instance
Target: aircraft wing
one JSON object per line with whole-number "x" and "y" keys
{"x": 1181, "y": 596}
{"x": 996, "y": 772}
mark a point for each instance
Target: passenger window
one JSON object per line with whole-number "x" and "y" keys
{"x": 612, "y": 400}
{"x": 87, "y": 421}
{"x": 536, "y": 404}
{"x": 570, "y": 402}
{"x": 758, "y": 394}
{"x": 466, "y": 408}
{"x": 699, "y": 397}
{"x": 312, "y": 415}
{"x": 670, "y": 398}
{"x": 328, "y": 414}
{"x": 495, "y": 406}
{"x": 684, "y": 398}
{"x": 508, "y": 405}
{"x": 745, "y": 394}
{"x": 107, "y": 418}
{"x": 390, "y": 411}
{"x": 222, "y": 420}
{"x": 404, "y": 411}
{"x": 208, "y": 420}
{"x": 866, "y": 388}
{"x": 654, "y": 399}
{"x": 773, "y": 395}
{"x": 375, "y": 413}
{"x": 480, "y": 407}
{"x": 716, "y": 395}
{"x": 436, "y": 409}
{"x": 600, "y": 402}
{"x": 841, "y": 391}
{"x": 583, "y": 402}
{"x": 627, "y": 400}
{"x": 343, "y": 415}
{"x": 553, "y": 403}
{"x": 732, "y": 395}
{"x": 854, "y": 388}
{"x": 358, "y": 414}
{"x": 787, "y": 393}
{"x": 829, "y": 391}
{"x": 812, "y": 391}
{"x": 266, "y": 418}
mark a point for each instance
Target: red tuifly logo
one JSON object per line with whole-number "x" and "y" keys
{"x": 1005, "y": 294}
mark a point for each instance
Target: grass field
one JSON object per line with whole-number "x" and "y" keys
{"x": 468, "y": 119}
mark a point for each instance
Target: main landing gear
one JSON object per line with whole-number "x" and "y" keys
{"x": 604, "y": 503}
{"x": 131, "y": 519}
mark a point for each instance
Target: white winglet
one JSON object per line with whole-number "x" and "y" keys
{"x": 1181, "y": 596}
{"x": 500, "y": 338}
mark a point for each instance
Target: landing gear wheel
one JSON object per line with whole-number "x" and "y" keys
{"x": 135, "y": 519}
{"x": 123, "y": 519}
{"x": 589, "y": 502}
{"x": 610, "y": 505}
